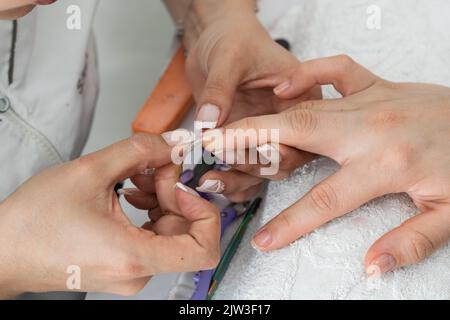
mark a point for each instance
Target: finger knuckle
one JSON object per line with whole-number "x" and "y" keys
{"x": 286, "y": 220}
{"x": 324, "y": 200}
{"x": 418, "y": 246}
{"x": 397, "y": 158}
{"x": 215, "y": 88}
{"x": 85, "y": 163}
{"x": 386, "y": 117}
{"x": 308, "y": 105}
{"x": 142, "y": 143}
{"x": 302, "y": 120}
{"x": 345, "y": 64}
{"x": 248, "y": 123}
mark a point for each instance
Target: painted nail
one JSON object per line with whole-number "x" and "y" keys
{"x": 208, "y": 116}
{"x": 187, "y": 176}
{"x": 262, "y": 240}
{"x": 186, "y": 189}
{"x": 382, "y": 264}
{"x": 178, "y": 137}
{"x": 212, "y": 186}
{"x": 269, "y": 154}
{"x": 129, "y": 192}
{"x": 282, "y": 87}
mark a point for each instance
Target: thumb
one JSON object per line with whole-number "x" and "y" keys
{"x": 412, "y": 242}
{"x": 217, "y": 95}
{"x": 126, "y": 158}
{"x": 347, "y": 77}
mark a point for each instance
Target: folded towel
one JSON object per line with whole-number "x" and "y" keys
{"x": 328, "y": 263}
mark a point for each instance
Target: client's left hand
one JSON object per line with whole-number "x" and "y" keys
{"x": 388, "y": 138}
{"x": 233, "y": 66}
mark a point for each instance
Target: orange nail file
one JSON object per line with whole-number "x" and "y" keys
{"x": 169, "y": 102}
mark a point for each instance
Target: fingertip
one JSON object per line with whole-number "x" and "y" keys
{"x": 263, "y": 240}
{"x": 381, "y": 257}
{"x": 192, "y": 206}
{"x": 381, "y": 264}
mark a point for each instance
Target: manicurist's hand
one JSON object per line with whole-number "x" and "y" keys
{"x": 233, "y": 67}
{"x": 70, "y": 216}
{"x": 387, "y": 137}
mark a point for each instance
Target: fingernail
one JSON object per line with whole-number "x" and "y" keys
{"x": 224, "y": 167}
{"x": 208, "y": 116}
{"x": 148, "y": 171}
{"x": 269, "y": 154}
{"x": 282, "y": 87}
{"x": 186, "y": 189}
{"x": 129, "y": 192}
{"x": 382, "y": 264}
{"x": 212, "y": 186}
{"x": 177, "y": 137}
{"x": 262, "y": 240}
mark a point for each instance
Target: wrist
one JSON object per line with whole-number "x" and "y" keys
{"x": 8, "y": 284}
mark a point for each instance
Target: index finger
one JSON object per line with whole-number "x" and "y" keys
{"x": 309, "y": 129}
{"x": 128, "y": 158}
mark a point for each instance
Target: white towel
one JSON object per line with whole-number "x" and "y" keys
{"x": 413, "y": 44}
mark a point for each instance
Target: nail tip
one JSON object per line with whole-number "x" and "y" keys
{"x": 208, "y": 116}
{"x": 186, "y": 189}
{"x": 212, "y": 186}
{"x": 255, "y": 246}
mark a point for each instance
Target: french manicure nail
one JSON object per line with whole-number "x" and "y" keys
{"x": 262, "y": 240}
{"x": 382, "y": 264}
{"x": 212, "y": 186}
{"x": 208, "y": 115}
{"x": 186, "y": 189}
{"x": 129, "y": 192}
{"x": 282, "y": 87}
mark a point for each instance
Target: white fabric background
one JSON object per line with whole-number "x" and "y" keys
{"x": 413, "y": 44}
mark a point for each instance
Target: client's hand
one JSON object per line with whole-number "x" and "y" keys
{"x": 388, "y": 138}
{"x": 70, "y": 216}
{"x": 233, "y": 66}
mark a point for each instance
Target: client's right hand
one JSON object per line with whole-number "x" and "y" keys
{"x": 70, "y": 217}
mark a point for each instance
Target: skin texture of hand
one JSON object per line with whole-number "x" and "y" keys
{"x": 233, "y": 66}
{"x": 70, "y": 215}
{"x": 387, "y": 137}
